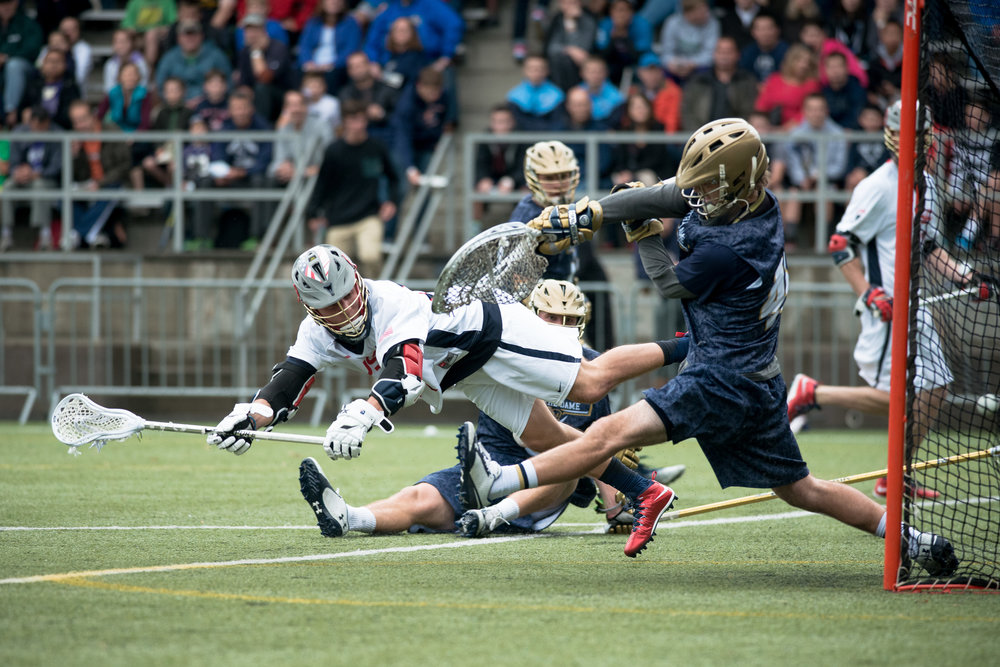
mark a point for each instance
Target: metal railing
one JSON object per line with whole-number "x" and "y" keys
{"x": 184, "y": 338}
{"x": 177, "y": 193}
{"x": 824, "y": 192}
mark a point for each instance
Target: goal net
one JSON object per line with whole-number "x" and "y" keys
{"x": 952, "y": 374}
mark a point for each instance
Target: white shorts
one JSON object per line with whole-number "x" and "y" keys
{"x": 534, "y": 360}
{"x": 873, "y": 353}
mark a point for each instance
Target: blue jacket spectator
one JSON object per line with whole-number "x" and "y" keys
{"x": 253, "y": 157}
{"x": 843, "y": 92}
{"x": 606, "y": 99}
{"x": 424, "y": 113}
{"x": 440, "y": 27}
{"x": 536, "y": 100}
{"x": 327, "y": 40}
{"x": 191, "y": 61}
{"x": 622, "y": 38}
{"x": 764, "y": 54}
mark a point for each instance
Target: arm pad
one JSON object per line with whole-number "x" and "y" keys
{"x": 401, "y": 382}
{"x": 843, "y": 248}
{"x": 290, "y": 380}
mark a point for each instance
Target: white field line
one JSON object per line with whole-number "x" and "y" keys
{"x": 595, "y": 528}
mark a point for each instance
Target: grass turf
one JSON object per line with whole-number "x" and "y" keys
{"x": 764, "y": 590}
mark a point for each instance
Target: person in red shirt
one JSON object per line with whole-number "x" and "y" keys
{"x": 783, "y": 92}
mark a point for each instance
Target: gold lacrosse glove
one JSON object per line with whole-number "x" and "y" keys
{"x": 629, "y": 457}
{"x": 638, "y": 229}
{"x": 567, "y": 225}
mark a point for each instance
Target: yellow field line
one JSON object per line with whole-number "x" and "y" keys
{"x": 641, "y": 611}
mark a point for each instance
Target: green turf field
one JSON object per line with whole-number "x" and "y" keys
{"x": 755, "y": 585}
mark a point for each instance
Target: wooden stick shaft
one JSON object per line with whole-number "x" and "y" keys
{"x": 852, "y": 479}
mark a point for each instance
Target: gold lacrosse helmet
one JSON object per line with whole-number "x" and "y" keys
{"x": 552, "y": 172}
{"x": 723, "y": 167}
{"x": 562, "y": 299}
{"x": 893, "y": 116}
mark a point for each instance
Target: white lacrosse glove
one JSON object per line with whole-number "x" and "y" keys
{"x": 348, "y": 430}
{"x": 224, "y": 437}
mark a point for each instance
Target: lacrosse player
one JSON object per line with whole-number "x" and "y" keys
{"x": 864, "y": 249}
{"x": 505, "y": 359}
{"x": 552, "y": 173}
{"x": 730, "y": 395}
{"x": 434, "y": 502}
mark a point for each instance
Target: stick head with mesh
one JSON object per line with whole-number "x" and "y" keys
{"x": 499, "y": 265}
{"x": 78, "y": 421}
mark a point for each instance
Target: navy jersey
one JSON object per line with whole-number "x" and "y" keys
{"x": 741, "y": 288}
{"x": 562, "y": 266}
{"x": 580, "y": 416}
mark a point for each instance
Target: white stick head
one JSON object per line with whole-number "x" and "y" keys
{"x": 78, "y": 421}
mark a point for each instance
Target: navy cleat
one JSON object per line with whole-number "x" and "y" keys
{"x": 328, "y": 506}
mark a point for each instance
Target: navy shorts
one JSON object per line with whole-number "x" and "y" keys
{"x": 741, "y": 425}
{"x": 448, "y": 481}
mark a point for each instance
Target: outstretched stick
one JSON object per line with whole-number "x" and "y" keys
{"x": 852, "y": 479}
{"x": 78, "y": 421}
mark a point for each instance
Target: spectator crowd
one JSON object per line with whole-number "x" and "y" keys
{"x": 295, "y": 68}
{"x": 799, "y": 67}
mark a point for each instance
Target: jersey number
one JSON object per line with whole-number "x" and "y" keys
{"x": 775, "y": 300}
{"x": 371, "y": 364}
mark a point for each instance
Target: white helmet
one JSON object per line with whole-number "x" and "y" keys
{"x": 324, "y": 277}
{"x": 893, "y": 116}
{"x": 554, "y": 163}
{"x": 560, "y": 298}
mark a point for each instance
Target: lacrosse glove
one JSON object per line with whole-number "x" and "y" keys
{"x": 880, "y": 303}
{"x": 630, "y": 457}
{"x": 567, "y": 225}
{"x": 348, "y": 430}
{"x": 240, "y": 419}
{"x": 638, "y": 229}
{"x": 986, "y": 285}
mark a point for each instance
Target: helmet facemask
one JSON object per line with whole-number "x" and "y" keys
{"x": 723, "y": 170}
{"x": 329, "y": 287}
{"x": 563, "y": 302}
{"x": 552, "y": 172}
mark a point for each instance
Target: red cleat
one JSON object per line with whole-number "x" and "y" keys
{"x": 650, "y": 506}
{"x": 914, "y": 490}
{"x": 801, "y": 396}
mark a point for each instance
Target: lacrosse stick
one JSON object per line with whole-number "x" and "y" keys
{"x": 852, "y": 479}
{"x": 499, "y": 265}
{"x": 965, "y": 291}
{"x": 78, "y": 421}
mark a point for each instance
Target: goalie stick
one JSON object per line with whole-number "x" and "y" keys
{"x": 852, "y": 479}
{"x": 499, "y": 265}
{"x": 79, "y": 421}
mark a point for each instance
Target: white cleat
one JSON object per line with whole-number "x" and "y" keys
{"x": 480, "y": 523}
{"x": 328, "y": 506}
{"x": 933, "y": 553}
{"x": 479, "y": 470}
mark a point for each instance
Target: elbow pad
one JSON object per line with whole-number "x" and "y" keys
{"x": 401, "y": 383}
{"x": 843, "y": 248}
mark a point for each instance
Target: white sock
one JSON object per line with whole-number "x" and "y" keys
{"x": 913, "y": 547}
{"x": 360, "y": 519}
{"x": 514, "y": 478}
{"x": 508, "y": 509}
{"x": 880, "y": 531}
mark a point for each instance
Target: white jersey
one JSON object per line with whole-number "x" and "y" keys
{"x": 871, "y": 217}
{"x": 492, "y": 352}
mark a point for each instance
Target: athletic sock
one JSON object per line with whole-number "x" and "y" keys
{"x": 912, "y": 544}
{"x": 880, "y": 531}
{"x": 514, "y": 478}
{"x": 360, "y": 519}
{"x": 626, "y": 480}
{"x": 508, "y": 509}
